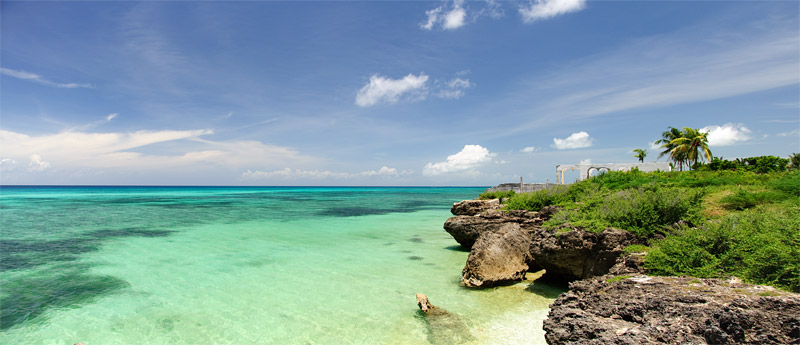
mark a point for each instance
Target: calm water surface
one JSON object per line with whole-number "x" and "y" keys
{"x": 236, "y": 265}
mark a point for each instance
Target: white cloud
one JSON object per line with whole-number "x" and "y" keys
{"x": 386, "y": 171}
{"x": 574, "y": 141}
{"x": 433, "y": 17}
{"x": 37, "y": 164}
{"x": 386, "y": 90}
{"x": 470, "y": 157}
{"x": 451, "y": 19}
{"x": 585, "y": 161}
{"x": 529, "y": 149}
{"x": 544, "y": 9}
{"x": 288, "y": 173}
{"x": 654, "y": 145}
{"x": 411, "y": 88}
{"x": 7, "y": 164}
{"x": 727, "y": 134}
{"x": 455, "y": 18}
{"x": 793, "y": 133}
{"x": 139, "y": 155}
{"x": 296, "y": 173}
{"x": 39, "y": 79}
{"x": 111, "y": 117}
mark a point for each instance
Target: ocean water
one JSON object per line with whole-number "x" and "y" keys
{"x": 242, "y": 265}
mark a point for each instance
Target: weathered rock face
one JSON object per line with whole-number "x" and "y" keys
{"x": 473, "y": 207}
{"x": 498, "y": 257}
{"x": 578, "y": 254}
{"x": 672, "y": 310}
{"x": 466, "y": 229}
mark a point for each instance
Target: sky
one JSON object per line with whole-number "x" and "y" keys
{"x": 388, "y": 93}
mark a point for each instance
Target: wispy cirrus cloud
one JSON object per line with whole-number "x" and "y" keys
{"x": 140, "y": 152}
{"x": 33, "y": 77}
{"x": 690, "y": 65}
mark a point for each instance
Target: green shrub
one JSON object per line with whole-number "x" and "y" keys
{"x": 537, "y": 200}
{"x": 636, "y": 248}
{"x": 496, "y": 195}
{"x": 788, "y": 183}
{"x": 760, "y": 245}
{"x": 760, "y": 164}
{"x": 644, "y": 211}
{"x": 742, "y": 199}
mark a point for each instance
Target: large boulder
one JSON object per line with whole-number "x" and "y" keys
{"x": 498, "y": 257}
{"x": 578, "y": 254}
{"x": 474, "y": 207}
{"x": 672, "y": 310}
{"x": 466, "y": 229}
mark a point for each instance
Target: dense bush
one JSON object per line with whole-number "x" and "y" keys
{"x": 748, "y": 226}
{"x": 536, "y": 200}
{"x": 643, "y": 211}
{"x": 742, "y": 199}
{"x": 760, "y": 164}
{"x": 788, "y": 183}
{"x": 760, "y": 245}
{"x": 496, "y": 195}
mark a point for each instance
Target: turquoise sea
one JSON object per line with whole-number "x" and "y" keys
{"x": 244, "y": 265}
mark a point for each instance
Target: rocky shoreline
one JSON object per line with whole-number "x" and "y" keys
{"x": 610, "y": 297}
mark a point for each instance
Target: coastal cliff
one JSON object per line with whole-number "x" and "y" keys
{"x": 611, "y": 299}
{"x": 506, "y": 244}
{"x": 672, "y": 310}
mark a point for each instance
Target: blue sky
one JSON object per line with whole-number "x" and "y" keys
{"x": 383, "y": 93}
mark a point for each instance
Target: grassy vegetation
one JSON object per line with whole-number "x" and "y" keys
{"x": 496, "y": 195}
{"x": 698, "y": 223}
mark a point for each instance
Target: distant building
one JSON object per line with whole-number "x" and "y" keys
{"x": 585, "y": 170}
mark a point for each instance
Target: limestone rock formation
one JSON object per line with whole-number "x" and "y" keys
{"x": 466, "y": 229}
{"x": 474, "y": 207}
{"x": 672, "y": 310}
{"x": 498, "y": 257}
{"x": 579, "y": 254}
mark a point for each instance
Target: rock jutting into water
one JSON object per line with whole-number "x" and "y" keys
{"x": 615, "y": 302}
{"x": 495, "y": 238}
{"x": 474, "y": 207}
{"x": 498, "y": 257}
{"x": 579, "y": 254}
{"x": 675, "y": 310}
{"x": 443, "y": 327}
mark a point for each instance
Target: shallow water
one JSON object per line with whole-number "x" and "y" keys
{"x": 188, "y": 265}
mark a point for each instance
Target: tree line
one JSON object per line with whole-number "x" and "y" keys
{"x": 688, "y": 147}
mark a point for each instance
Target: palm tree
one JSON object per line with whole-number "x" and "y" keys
{"x": 667, "y": 137}
{"x": 690, "y": 145}
{"x": 640, "y": 154}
